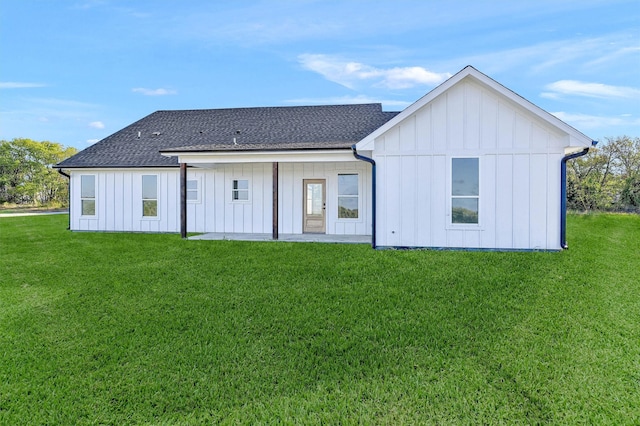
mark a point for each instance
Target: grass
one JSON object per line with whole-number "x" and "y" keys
{"x": 101, "y": 328}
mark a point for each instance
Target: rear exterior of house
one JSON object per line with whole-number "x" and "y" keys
{"x": 471, "y": 165}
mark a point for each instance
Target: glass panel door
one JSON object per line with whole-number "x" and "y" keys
{"x": 314, "y": 220}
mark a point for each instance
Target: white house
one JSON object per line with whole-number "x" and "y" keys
{"x": 471, "y": 165}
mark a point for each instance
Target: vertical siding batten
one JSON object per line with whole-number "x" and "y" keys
{"x": 408, "y": 201}
{"x": 538, "y": 201}
{"x": 504, "y": 212}
{"x": 473, "y": 107}
{"x": 455, "y": 119}
{"x": 393, "y": 199}
{"x": 488, "y": 202}
{"x": 521, "y": 212}
{"x": 488, "y": 122}
{"x": 423, "y": 200}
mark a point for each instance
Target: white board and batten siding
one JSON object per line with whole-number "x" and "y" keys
{"x": 118, "y": 198}
{"x": 519, "y": 172}
{"x": 118, "y": 201}
{"x": 216, "y": 211}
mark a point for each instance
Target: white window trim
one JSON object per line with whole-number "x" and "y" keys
{"x": 95, "y": 197}
{"x": 198, "y": 191}
{"x": 231, "y": 200}
{"x": 360, "y": 215}
{"x": 450, "y": 196}
{"x": 142, "y": 199}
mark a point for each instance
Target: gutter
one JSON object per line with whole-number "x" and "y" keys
{"x": 69, "y": 195}
{"x": 373, "y": 191}
{"x": 563, "y": 193}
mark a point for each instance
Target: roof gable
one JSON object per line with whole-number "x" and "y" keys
{"x": 577, "y": 138}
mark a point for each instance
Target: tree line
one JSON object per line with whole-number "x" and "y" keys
{"x": 27, "y": 176}
{"x": 607, "y": 178}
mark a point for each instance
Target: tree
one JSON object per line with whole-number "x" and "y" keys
{"x": 26, "y": 173}
{"x": 607, "y": 178}
{"x": 628, "y": 163}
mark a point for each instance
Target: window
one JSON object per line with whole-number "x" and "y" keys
{"x": 465, "y": 190}
{"x": 149, "y": 196}
{"x": 348, "y": 196}
{"x": 240, "y": 190}
{"x": 193, "y": 191}
{"x": 88, "y": 195}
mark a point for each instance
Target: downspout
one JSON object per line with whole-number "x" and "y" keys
{"x": 68, "y": 195}
{"x": 373, "y": 191}
{"x": 563, "y": 193}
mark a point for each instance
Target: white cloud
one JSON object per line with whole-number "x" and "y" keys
{"x": 592, "y": 90}
{"x": 62, "y": 104}
{"x": 596, "y": 54}
{"x": 260, "y": 22}
{"x": 348, "y": 100}
{"x": 549, "y": 95}
{"x": 54, "y": 109}
{"x": 154, "y": 92}
{"x": 17, "y": 85}
{"x": 586, "y": 121}
{"x": 616, "y": 56}
{"x": 89, "y": 4}
{"x": 348, "y": 73}
{"x": 92, "y": 141}
{"x": 402, "y": 78}
{"x": 97, "y": 124}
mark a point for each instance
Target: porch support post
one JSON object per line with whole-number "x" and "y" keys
{"x": 275, "y": 201}
{"x": 183, "y": 200}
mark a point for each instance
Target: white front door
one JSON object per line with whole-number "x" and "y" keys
{"x": 314, "y": 218}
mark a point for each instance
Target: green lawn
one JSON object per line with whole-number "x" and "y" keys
{"x": 100, "y": 328}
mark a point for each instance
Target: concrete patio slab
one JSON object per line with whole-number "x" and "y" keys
{"x": 307, "y": 238}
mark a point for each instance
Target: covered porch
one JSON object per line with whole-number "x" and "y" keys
{"x": 308, "y": 196}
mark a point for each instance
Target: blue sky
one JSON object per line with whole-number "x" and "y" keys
{"x": 76, "y": 71}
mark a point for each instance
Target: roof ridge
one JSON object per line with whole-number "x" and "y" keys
{"x": 271, "y": 107}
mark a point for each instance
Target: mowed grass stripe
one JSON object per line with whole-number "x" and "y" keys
{"x": 143, "y": 328}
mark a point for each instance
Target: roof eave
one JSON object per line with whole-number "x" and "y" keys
{"x": 114, "y": 166}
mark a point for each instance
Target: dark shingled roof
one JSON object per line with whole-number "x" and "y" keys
{"x": 254, "y": 129}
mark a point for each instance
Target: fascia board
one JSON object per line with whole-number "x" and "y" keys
{"x": 263, "y": 157}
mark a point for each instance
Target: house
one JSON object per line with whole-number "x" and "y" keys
{"x": 470, "y": 165}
